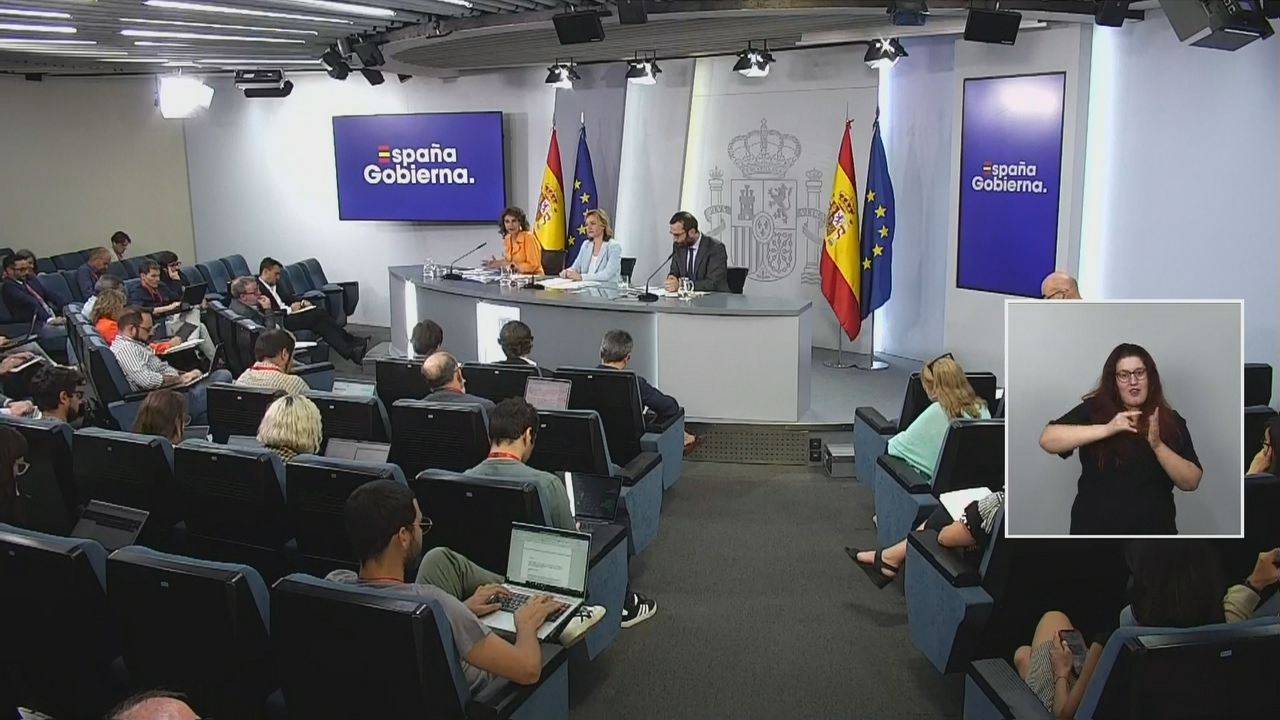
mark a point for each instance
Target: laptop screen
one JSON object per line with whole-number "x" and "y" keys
{"x": 595, "y": 497}
{"x": 113, "y": 526}
{"x": 548, "y": 559}
{"x": 545, "y": 394}
{"x": 360, "y": 451}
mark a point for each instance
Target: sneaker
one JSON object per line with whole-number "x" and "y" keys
{"x": 582, "y": 621}
{"x": 637, "y": 609}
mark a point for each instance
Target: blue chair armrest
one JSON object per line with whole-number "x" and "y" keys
{"x": 658, "y": 428}
{"x": 639, "y": 466}
{"x": 1001, "y": 689}
{"x": 876, "y": 421}
{"x": 351, "y": 295}
{"x": 905, "y": 475}
{"x": 949, "y": 563}
{"x": 501, "y": 699}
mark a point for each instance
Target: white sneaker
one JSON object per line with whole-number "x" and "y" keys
{"x": 583, "y": 619}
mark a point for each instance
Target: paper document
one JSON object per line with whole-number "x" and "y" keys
{"x": 193, "y": 343}
{"x": 302, "y": 309}
{"x": 304, "y": 344}
{"x": 957, "y": 500}
{"x": 562, "y": 284}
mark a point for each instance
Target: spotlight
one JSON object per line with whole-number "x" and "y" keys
{"x": 643, "y": 72}
{"x": 404, "y": 78}
{"x": 908, "y": 12}
{"x": 181, "y": 96}
{"x": 335, "y": 65}
{"x": 753, "y": 62}
{"x": 373, "y": 76}
{"x": 884, "y": 53}
{"x": 561, "y": 75}
{"x": 369, "y": 53}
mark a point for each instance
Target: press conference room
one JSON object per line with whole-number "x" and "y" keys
{"x": 639, "y": 358}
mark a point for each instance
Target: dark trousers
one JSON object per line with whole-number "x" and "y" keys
{"x": 321, "y": 324}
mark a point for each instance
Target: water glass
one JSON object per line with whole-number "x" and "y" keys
{"x": 686, "y": 288}
{"x": 428, "y": 269}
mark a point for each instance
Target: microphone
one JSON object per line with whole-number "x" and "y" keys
{"x": 647, "y": 296}
{"x": 451, "y": 275}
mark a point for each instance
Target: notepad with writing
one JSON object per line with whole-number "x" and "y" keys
{"x": 957, "y": 500}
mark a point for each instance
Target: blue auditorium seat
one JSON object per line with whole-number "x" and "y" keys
{"x": 336, "y": 641}
{"x": 132, "y": 470}
{"x": 316, "y": 491}
{"x": 1215, "y": 671}
{"x": 237, "y": 267}
{"x": 872, "y": 431}
{"x": 972, "y": 456}
{"x": 350, "y": 288}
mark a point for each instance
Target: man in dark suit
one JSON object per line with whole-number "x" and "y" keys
{"x": 300, "y": 314}
{"x": 26, "y": 299}
{"x": 615, "y": 352}
{"x": 444, "y": 376}
{"x": 88, "y": 274}
{"x": 248, "y": 301}
{"x": 698, "y": 257}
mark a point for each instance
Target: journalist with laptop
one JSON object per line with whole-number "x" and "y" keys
{"x": 385, "y": 527}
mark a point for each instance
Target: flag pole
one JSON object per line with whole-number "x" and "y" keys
{"x": 839, "y": 363}
{"x": 872, "y": 362}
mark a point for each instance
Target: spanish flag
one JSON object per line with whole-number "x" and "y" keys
{"x": 841, "y": 276}
{"x": 548, "y": 222}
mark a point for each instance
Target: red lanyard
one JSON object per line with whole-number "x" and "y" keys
{"x": 265, "y": 367}
{"x": 504, "y": 455}
{"x": 382, "y": 579}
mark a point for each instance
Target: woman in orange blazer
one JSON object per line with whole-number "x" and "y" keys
{"x": 519, "y": 245}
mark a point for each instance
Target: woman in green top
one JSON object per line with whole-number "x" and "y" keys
{"x": 920, "y": 444}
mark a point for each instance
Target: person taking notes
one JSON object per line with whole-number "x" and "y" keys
{"x": 601, "y": 261}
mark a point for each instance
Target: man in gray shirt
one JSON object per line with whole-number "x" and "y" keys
{"x": 444, "y": 376}
{"x": 513, "y": 426}
{"x": 385, "y": 526}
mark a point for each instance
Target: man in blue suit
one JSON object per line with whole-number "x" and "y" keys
{"x": 88, "y": 274}
{"x": 615, "y": 352}
{"x": 26, "y": 298}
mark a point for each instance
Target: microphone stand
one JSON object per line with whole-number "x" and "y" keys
{"x": 646, "y": 296}
{"x": 451, "y": 275}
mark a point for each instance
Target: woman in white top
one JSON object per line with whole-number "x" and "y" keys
{"x": 601, "y": 261}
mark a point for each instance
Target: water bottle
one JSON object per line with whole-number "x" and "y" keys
{"x": 428, "y": 270}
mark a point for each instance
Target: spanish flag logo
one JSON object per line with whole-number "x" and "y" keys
{"x": 384, "y": 154}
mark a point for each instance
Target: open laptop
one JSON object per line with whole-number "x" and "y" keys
{"x": 193, "y": 295}
{"x": 208, "y": 367}
{"x": 544, "y": 561}
{"x": 14, "y": 342}
{"x": 373, "y": 452}
{"x": 595, "y": 499}
{"x": 547, "y": 394}
{"x": 113, "y": 526}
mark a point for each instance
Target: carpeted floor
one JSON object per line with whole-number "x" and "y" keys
{"x": 760, "y": 612}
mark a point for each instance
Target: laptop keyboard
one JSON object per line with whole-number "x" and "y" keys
{"x": 110, "y": 521}
{"x": 517, "y": 600}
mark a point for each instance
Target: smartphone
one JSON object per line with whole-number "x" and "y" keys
{"x": 1075, "y": 643}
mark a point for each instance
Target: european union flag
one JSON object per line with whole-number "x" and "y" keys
{"x": 877, "y": 229}
{"x": 583, "y": 199}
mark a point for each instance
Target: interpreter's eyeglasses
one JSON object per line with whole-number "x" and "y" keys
{"x": 1125, "y": 376}
{"x": 929, "y": 365}
{"x": 21, "y": 467}
{"x": 1055, "y": 296}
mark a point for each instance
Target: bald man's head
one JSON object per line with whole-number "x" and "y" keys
{"x": 441, "y": 372}
{"x": 158, "y": 705}
{"x": 1059, "y": 286}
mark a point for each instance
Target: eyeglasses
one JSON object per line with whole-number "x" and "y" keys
{"x": 1124, "y": 376}
{"x": 929, "y": 365}
{"x": 21, "y": 467}
{"x": 425, "y": 524}
{"x": 1055, "y": 296}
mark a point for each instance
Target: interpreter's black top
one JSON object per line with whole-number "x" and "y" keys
{"x": 1133, "y": 496}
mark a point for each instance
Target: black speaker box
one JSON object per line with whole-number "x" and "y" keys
{"x": 578, "y": 27}
{"x": 1110, "y": 13}
{"x": 632, "y": 12}
{"x": 999, "y": 27}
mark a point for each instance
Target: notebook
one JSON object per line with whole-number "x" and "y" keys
{"x": 194, "y": 294}
{"x": 547, "y": 394}
{"x": 957, "y": 500}
{"x": 595, "y": 499}
{"x": 113, "y": 526}
{"x": 372, "y": 452}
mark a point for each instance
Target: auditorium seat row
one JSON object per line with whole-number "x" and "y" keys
{"x": 141, "y": 619}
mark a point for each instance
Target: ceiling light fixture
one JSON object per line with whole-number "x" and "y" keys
{"x": 23, "y": 27}
{"x": 151, "y": 61}
{"x": 43, "y": 41}
{"x": 375, "y": 77}
{"x": 203, "y": 36}
{"x": 218, "y": 26}
{"x": 341, "y": 8}
{"x": 754, "y": 62}
{"x": 643, "y": 71}
{"x": 182, "y": 96}
{"x": 335, "y": 64}
{"x": 561, "y": 75}
{"x": 22, "y": 12}
{"x": 149, "y": 43}
{"x": 882, "y": 54}
{"x": 460, "y": 3}
{"x": 201, "y": 7}
{"x": 224, "y": 62}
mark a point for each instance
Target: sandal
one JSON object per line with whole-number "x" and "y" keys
{"x": 876, "y": 569}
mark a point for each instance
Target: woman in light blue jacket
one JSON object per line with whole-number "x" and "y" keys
{"x": 600, "y": 261}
